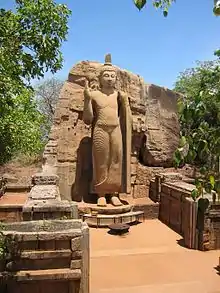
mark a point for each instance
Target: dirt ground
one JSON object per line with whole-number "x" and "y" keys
{"x": 19, "y": 171}
{"x": 150, "y": 259}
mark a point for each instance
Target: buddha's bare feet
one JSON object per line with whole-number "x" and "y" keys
{"x": 116, "y": 201}
{"x": 102, "y": 202}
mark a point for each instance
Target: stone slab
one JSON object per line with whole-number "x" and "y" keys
{"x": 106, "y": 220}
{"x": 50, "y": 205}
{"x": 45, "y": 179}
{"x": 44, "y": 192}
{"x": 54, "y": 274}
{"x": 109, "y": 210}
{"x": 46, "y": 254}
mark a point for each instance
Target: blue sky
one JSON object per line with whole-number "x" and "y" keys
{"x": 145, "y": 42}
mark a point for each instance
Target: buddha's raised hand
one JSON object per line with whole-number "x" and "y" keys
{"x": 87, "y": 89}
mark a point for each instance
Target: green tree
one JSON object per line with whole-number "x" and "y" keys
{"x": 21, "y": 127}
{"x": 199, "y": 112}
{"x": 30, "y": 40}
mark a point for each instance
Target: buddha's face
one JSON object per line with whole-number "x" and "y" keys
{"x": 108, "y": 79}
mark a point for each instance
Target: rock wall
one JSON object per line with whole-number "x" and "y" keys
{"x": 155, "y": 128}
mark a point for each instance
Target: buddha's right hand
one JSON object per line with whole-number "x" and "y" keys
{"x": 87, "y": 89}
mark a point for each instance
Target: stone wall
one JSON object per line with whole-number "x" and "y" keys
{"x": 178, "y": 211}
{"x": 197, "y": 221}
{"x": 155, "y": 128}
{"x": 50, "y": 255}
{"x": 208, "y": 226}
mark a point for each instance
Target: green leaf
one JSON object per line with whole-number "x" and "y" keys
{"x": 217, "y": 53}
{"x": 140, "y": 3}
{"x": 203, "y": 170}
{"x": 177, "y": 158}
{"x": 194, "y": 194}
{"x": 157, "y": 4}
{"x": 165, "y": 13}
{"x": 212, "y": 181}
{"x": 183, "y": 141}
{"x": 208, "y": 187}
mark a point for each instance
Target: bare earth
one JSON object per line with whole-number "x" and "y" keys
{"x": 22, "y": 173}
{"x": 150, "y": 259}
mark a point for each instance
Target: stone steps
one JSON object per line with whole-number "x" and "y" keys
{"x": 52, "y": 274}
{"x": 41, "y": 260}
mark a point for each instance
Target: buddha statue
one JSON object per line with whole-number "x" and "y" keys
{"x": 108, "y": 111}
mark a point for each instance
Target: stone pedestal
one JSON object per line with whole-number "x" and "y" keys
{"x": 98, "y": 217}
{"x": 44, "y": 200}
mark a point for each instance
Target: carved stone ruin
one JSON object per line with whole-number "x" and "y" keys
{"x": 144, "y": 118}
{"x": 47, "y": 256}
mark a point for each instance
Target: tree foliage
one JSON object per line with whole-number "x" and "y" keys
{"x": 30, "y": 40}
{"x": 199, "y": 111}
{"x": 158, "y": 4}
{"x": 21, "y": 127}
{"x": 165, "y": 4}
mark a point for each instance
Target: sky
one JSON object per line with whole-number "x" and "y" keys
{"x": 143, "y": 42}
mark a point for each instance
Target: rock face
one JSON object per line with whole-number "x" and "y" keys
{"x": 155, "y": 128}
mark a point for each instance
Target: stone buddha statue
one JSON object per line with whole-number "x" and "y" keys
{"x": 108, "y": 111}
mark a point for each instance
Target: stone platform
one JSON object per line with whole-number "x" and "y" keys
{"x": 104, "y": 216}
{"x": 103, "y": 220}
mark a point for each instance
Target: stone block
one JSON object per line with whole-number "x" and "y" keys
{"x": 76, "y": 264}
{"x": 171, "y": 176}
{"x": 45, "y": 236}
{"x": 44, "y": 192}
{"x": 76, "y": 243}
{"x": 77, "y": 254}
{"x": 45, "y": 179}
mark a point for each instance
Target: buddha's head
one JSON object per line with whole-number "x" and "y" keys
{"x": 108, "y": 75}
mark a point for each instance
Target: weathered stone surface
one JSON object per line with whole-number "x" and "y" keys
{"x": 75, "y": 264}
{"x": 141, "y": 191}
{"x": 76, "y": 243}
{"x": 58, "y": 274}
{"x": 9, "y": 178}
{"x": 39, "y": 226}
{"x": 42, "y": 255}
{"x": 162, "y": 135}
{"x": 155, "y": 128}
{"x": 45, "y": 179}
{"x": 46, "y": 254}
{"x": 77, "y": 254}
{"x": 44, "y": 192}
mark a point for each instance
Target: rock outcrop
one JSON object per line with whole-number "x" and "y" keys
{"x": 155, "y": 128}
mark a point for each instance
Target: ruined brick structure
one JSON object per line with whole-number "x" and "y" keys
{"x": 154, "y": 139}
